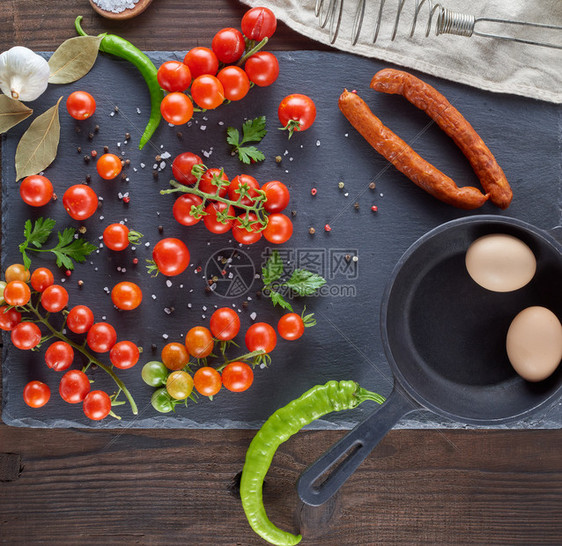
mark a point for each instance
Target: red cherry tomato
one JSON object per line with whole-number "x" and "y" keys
{"x": 80, "y": 201}
{"x": 126, "y": 295}
{"x": 241, "y": 234}
{"x": 97, "y": 405}
{"x": 59, "y": 356}
{"x": 108, "y": 166}
{"x": 80, "y": 105}
{"x": 80, "y": 319}
{"x": 9, "y": 318}
{"x": 207, "y": 381}
{"x": 101, "y": 337}
{"x": 279, "y": 228}
{"x": 174, "y": 76}
{"x": 207, "y": 91}
{"x": 171, "y": 256}
{"x": 228, "y": 45}
{"x": 199, "y": 342}
{"x": 201, "y": 60}
{"x": 259, "y": 23}
{"x": 262, "y": 68}
{"x": 207, "y": 182}
{"x": 235, "y": 82}
{"x": 26, "y": 335}
{"x": 290, "y": 326}
{"x": 124, "y": 355}
{"x": 36, "y": 190}
{"x": 212, "y": 219}
{"x": 261, "y": 337}
{"x": 54, "y": 298}
{"x": 225, "y": 324}
{"x": 17, "y": 293}
{"x": 237, "y": 376}
{"x": 174, "y": 356}
{"x": 234, "y": 190}
{"x": 296, "y": 112}
{"x": 74, "y": 386}
{"x": 42, "y": 278}
{"x": 182, "y": 166}
{"x": 277, "y": 195}
{"x": 116, "y": 236}
{"x": 182, "y": 209}
{"x": 176, "y": 108}
{"x": 36, "y": 394}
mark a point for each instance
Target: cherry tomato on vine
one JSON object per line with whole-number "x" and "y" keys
{"x": 54, "y": 298}
{"x": 80, "y": 201}
{"x": 59, "y": 356}
{"x": 42, "y": 278}
{"x": 126, "y": 295}
{"x": 171, "y": 256}
{"x": 296, "y": 113}
{"x": 97, "y": 405}
{"x": 182, "y": 166}
{"x": 207, "y": 381}
{"x": 80, "y": 105}
{"x": 207, "y": 182}
{"x": 277, "y": 195}
{"x": 290, "y": 326}
{"x": 207, "y": 91}
{"x": 174, "y": 356}
{"x": 279, "y": 228}
{"x": 235, "y": 82}
{"x": 36, "y": 394}
{"x": 116, "y": 236}
{"x": 259, "y": 23}
{"x": 176, "y": 108}
{"x": 262, "y": 68}
{"x": 201, "y": 60}
{"x": 241, "y": 234}
{"x": 17, "y": 293}
{"x": 154, "y": 373}
{"x": 260, "y": 337}
{"x": 26, "y": 335}
{"x": 80, "y": 319}
{"x": 199, "y": 342}
{"x": 174, "y": 76}
{"x": 101, "y": 337}
{"x": 74, "y": 386}
{"x": 211, "y": 221}
{"x": 124, "y": 355}
{"x": 161, "y": 401}
{"x": 16, "y": 272}
{"x": 228, "y": 45}
{"x": 36, "y": 190}
{"x": 182, "y": 209}
{"x": 237, "y": 376}
{"x": 225, "y": 324}
{"x": 179, "y": 385}
{"x": 108, "y": 166}
{"x": 234, "y": 190}
{"x": 9, "y": 318}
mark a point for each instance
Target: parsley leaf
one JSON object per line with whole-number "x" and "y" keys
{"x": 305, "y": 282}
{"x": 278, "y": 299}
{"x": 38, "y": 233}
{"x": 273, "y": 269}
{"x": 253, "y": 130}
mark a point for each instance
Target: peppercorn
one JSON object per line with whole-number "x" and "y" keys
{"x": 341, "y": 185}
{"x": 116, "y": 109}
{"x": 207, "y": 288}
{"x": 105, "y": 149}
{"x": 68, "y": 272}
{"x": 80, "y": 283}
{"x": 88, "y": 178}
{"x": 356, "y": 205}
{"x": 311, "y": 230}
{"x": 96, "y": 129}
{"x": 82, "y": 230}
{"x": 127, "y": 162}
{"x": 372, "y": 186}
{"x": 158, "y": 158}
{"x": 77, "y": 129}
{"x": 245, "y": 304}
{"x": 90, "y": 136}
{"x": 179, "y": 134}
{"x": 86, "y": 159}
{"x": 293, "y": 213}
{"x": 278, "y": 159}
{"x": 154, "y": 174}
{"x": 79, "y": 149}
{"x": 160, "y": 229}
{"x": 153, "y": 347}
{"x": 127, "y": 136}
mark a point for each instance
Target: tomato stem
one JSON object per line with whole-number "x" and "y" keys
{"x": 253, "y": 49}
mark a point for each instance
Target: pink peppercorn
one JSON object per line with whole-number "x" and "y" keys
{"x": 135, "y": 261}
{"x": 327, "y": 227}
{"x": 126, "y": 199}
{"x": 374, "y": 208}
{"x": 313, "y": 191}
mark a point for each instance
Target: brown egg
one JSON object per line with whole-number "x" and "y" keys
{"x": 534, "y": 343}
{"x": 500, "y": 262}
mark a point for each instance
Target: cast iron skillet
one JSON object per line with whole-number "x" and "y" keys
{"x": 444, "y": 337}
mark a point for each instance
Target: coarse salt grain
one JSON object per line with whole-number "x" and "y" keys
{"x": 168, "y": 283}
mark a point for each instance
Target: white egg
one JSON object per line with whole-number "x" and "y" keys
{"x": 534, "y": 343}
{"x": 500, "y": 262}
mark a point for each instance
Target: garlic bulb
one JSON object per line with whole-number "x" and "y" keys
{"x": 24, "y": 75}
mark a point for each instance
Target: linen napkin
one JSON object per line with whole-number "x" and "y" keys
{"x": 487, "y": 63}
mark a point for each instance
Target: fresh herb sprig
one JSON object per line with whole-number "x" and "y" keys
{"x": 253, "y": 130}
{"x": 68, "y": 249}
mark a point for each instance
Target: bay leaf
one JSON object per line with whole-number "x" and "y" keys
{"x": 74, "y": 58}
{"x": 12, "y": 112}
{"x": 38, "y": 146}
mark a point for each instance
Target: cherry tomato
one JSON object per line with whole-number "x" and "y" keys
{"x": 228, "y": 45}
{"x": 262, "y": 68}
{"x": 182, "y": 166}
{"x": 154, "y": 373}
{"x": 108, "y": 166}
{"x": 199, "y": 342}
{"x": 17, "y": 293}
{"x": 161, "y": 401}
{"x": 36, "y": 394}
{"x": 26, "y": 335}
{"x": 279, "y": 228}
{"x": 124, "y": 355}
{"x": 234, "y": 190}
{"x": 277, "y": 195}
{"x": 101, "y": 337}
{"x": 80, "y": 105}
{"x": 241, "y": 234}
{"x": 182, "y": 209}
{"x": 126, "y": 295}
{"x": 290, "y": 326}
{"x": 36, "y": 190}
{"x": 212, "y": 218}
{"x": 97, "y": 405}
{"x": 260, "y": 337}
{"x": 207, "y": 182}
{"x": 207, "y": 381}
{"x": 237, "y": 376}
{"x": 16, "y": 272}
{"x": 171, "y": 256}
{"x": 207, "y": 91}
{"x": 296, "y": 112}
{"x": 74, "y": 386}
{"x": 176, "y": 108}
{"x": 259, "y": 23}
{"x": 54, "y": 298}
{"x": 59, "y": 356}
{"x": 179, "y": 385}
{"x": 235, "y": 82}
{"x": 80, "y": 201}
{"x": 201, "y": 60}
{"x": 116, "y": 236}
{"x": 80, "y": 319}
{"x": 9, "y": 318}
{"x": 225, "y": 324}
{"x": 174, "y": 76}
{"x": 174, "y": 356}
{"x": 42, "y": 278}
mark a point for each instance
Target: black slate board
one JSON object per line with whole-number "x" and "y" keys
{"x": 522, "y": 133}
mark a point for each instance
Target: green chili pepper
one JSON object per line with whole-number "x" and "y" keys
{"x": 286, "y": 421}
{"x": 126, "y": 50}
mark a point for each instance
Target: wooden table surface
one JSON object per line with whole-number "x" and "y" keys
{"x": 175, "y": 486}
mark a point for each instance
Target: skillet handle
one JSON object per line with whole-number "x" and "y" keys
{"x": 343, "y": 458}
